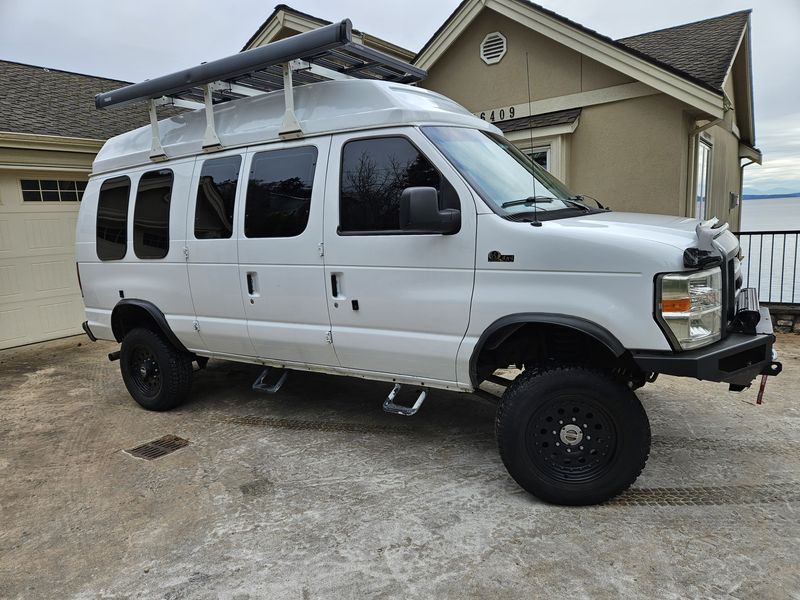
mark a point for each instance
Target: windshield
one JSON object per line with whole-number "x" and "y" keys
{"x": 508, "y": 180}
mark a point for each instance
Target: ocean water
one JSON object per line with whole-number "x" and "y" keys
{"x": 771, "y": 260}
{"x": 771, "y": 214}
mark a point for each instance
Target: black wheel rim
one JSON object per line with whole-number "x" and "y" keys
{"x": 145, "y": 371}
{"x": 572, "y": 439}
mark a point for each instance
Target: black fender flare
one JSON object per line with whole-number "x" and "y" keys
{"x": 515, "y": 321}
{"x": 127, "y": 305}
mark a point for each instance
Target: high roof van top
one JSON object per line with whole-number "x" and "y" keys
{"x": 322, "y": 108}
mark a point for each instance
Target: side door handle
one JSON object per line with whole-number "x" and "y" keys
{"x": 334, "y": 285}
{"x": 251, "y": 283}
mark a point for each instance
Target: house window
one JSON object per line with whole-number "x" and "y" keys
{"x": 541, "y": 156}
{"x": 52, "y": 190}
{"x": 703, "y": 179}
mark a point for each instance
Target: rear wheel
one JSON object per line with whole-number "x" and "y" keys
{"x": 572, "y": 435}
{"x": 157, "y": 375}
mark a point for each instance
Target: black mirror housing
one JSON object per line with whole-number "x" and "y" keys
{"x": 420, "y": 213}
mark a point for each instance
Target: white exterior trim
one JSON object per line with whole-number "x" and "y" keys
{"x": 517, "y": 137}
{"x": 603, "y": 52}
{"x": 579, "y": 100}
{"x": 545, "y": 136}
{"x": 33, "y": 141}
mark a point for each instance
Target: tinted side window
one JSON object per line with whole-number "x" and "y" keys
{"x": 216, "y": 195}
{"x": 279, "y": 192}
{"x": 112, "y": 218}
{"x": 151, "y": 214}
{"x": 374, "y": 174}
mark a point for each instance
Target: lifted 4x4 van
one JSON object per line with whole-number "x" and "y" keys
{"x": 356, "y": 225}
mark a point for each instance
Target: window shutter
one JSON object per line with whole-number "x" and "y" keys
{"x": 493, "y": 48}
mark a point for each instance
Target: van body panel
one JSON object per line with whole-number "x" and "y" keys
{"x": 213, "y": 268}
{"x": 162, "y": 281}
{"x": 287, "y": 313}
{"x": 413, "y": 292}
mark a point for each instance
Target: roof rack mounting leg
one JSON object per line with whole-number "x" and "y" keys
{"x": 156, "y": 150}
{"x": 290, "y": 128}
{"x": 211, "y": 142}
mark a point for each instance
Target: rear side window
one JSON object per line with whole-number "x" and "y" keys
{"x": 112, "y": 218}
{"x": 151, "y": 214}
{"x": 375, "y": 172}
{"x": 216, "y": 195}
{"x": 279, "y": 192}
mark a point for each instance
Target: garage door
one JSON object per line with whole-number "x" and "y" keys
{"x": 39, "y": 295}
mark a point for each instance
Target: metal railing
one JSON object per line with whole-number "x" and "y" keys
{"x": 770, "y": 265}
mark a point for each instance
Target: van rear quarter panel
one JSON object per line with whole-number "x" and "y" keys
{"x": 164, "y": 282}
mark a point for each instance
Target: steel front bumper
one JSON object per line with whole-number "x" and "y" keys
{"x": 737, "y": 359}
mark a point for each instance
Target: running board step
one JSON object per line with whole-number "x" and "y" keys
{"x": 396, "y": 409}
{"x": 270, "y": 380}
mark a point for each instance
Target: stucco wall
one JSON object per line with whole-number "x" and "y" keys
{"x": 555, "y": 69}
{"x": 632, "y": 155}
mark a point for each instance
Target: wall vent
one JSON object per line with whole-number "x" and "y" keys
{"x": 493, "y": 48}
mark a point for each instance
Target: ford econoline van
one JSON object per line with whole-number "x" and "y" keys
{"x": 370, "y": 228}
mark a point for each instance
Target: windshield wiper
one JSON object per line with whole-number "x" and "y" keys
{"x": 530, "y": 200}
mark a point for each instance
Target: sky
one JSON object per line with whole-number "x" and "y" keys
{"x": 135, "y": 40}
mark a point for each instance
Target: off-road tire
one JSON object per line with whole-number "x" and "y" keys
{"x": 157, "y": 374}
{"x": 543, "y": 413}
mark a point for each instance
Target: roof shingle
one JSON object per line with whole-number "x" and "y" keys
{"x": 560, "y": 117}
{"x": 50, "y": 102}
{"x": 704, "y": 49}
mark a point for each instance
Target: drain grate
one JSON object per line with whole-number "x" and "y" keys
{"x": 158, "y": 448}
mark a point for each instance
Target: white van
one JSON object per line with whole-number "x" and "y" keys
{"x": 374, "y": 229}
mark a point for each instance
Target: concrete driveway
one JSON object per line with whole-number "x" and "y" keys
{"x": 316, "y": 493}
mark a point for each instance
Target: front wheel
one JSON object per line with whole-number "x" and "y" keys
{"x": 157, "y": 375}
{"x": 572, "y": 435}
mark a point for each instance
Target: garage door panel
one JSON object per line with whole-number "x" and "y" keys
{"x": 5, "y": 236}
{"x": 37, "y": 320}
{"x": 9, "y": 281}
{"x": 12, "y": 327}
{"x": 56, "y": 233}
{"x": 53, "y": 275}
{"x": 39, "y": 295}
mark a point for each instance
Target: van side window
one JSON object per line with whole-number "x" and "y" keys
{"x": 151, "y": 214}
{"x": 216, "y": 195}
{"x": 279, "y": 192}
{"x": 374, "y": 174}
{"x": 112, "y": 218}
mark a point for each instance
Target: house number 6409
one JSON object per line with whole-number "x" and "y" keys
{"x": 498, "y": 114}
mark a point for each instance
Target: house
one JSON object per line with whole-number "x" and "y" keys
{"x": 49, "y": 135}
{"x": 660, "y": 122}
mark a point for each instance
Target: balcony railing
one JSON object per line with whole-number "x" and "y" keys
{"x": 770, "y": 265}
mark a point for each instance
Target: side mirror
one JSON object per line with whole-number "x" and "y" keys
{"x": 419, "y": 212}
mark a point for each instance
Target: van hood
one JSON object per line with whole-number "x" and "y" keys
{"x": 678, "y": 232}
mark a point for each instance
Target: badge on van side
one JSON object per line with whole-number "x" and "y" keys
{"x": 495, "y": 256}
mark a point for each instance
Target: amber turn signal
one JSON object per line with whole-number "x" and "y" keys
{"x": 676, "y": 305}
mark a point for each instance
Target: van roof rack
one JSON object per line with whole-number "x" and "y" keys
{"x": 325, "y": 53}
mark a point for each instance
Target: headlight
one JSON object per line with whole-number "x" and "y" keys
{"x": 690, "y": 306}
